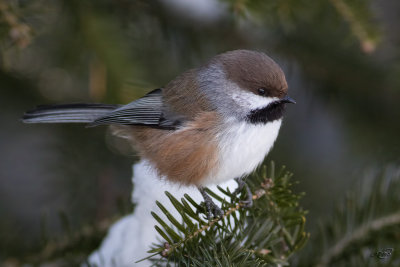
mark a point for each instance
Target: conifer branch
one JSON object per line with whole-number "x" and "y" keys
{"x": 207, "y": 226}
{"x": 359, "y": 30}
{"x": 361, "y": 233}
{"x": 368, "y": 218}
{"x": 267, "y": 233}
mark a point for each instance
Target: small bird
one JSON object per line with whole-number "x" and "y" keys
{"x": 208, "y": 125}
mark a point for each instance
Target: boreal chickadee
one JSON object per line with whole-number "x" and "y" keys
{"x": 208, "y": 125}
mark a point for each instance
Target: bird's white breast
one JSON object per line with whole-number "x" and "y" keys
{"x": 242, "y": 147}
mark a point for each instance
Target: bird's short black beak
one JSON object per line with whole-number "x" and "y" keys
{"x": 288, "y": 99}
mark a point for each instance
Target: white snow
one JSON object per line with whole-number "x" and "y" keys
{"x": 129, "y": 239}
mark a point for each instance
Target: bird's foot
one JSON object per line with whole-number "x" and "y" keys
{"x": 248, "y": 202}
{"x": 212, "y": 209}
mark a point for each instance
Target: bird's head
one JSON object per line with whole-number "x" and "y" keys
{"x": 247, "y": 84}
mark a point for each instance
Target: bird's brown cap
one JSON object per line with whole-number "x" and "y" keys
{"x": 253, "y": 71}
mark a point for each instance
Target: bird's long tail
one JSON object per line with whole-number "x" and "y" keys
{"x": 68, "y": 113}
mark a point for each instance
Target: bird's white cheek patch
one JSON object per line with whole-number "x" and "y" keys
{"x": 251, "y": 101}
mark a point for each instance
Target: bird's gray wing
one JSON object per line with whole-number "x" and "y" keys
{"x": 149, "y": 110}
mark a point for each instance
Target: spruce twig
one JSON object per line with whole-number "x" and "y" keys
{"x": 359, "y": 234}
{"x": 359, "y": 29}
{"x": 267, "y": 233}
{"x": 364, "y": 224}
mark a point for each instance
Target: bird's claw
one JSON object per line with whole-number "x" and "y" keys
{"x": 248, "y": 203}
{"x": 212, "y": 209}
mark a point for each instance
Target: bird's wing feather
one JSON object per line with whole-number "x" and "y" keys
{"x": 147, "y": 110}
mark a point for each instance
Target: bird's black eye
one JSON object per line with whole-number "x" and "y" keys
{"x": 261, "y": 91}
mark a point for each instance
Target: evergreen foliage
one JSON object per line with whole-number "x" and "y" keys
{"x": 266, "y": 234}
{"x": 114, "y": 39}
{"x": 364, "y": 229}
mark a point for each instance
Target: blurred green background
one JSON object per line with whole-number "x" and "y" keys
{"x": 341, "y": 59}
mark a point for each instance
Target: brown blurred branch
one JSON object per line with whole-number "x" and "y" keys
{"x": 19, "y": 32}
{"x": 367, "y": 44}
{"x": 97, "y": 79}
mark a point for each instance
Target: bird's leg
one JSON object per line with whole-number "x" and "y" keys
{"x": 249, "y": 196}
{"x": 213, "y": 210}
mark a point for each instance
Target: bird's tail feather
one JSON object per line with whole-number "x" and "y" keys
{"x": 67, "y": 113}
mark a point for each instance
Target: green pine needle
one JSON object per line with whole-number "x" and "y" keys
{"x": 267, "y": 233}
